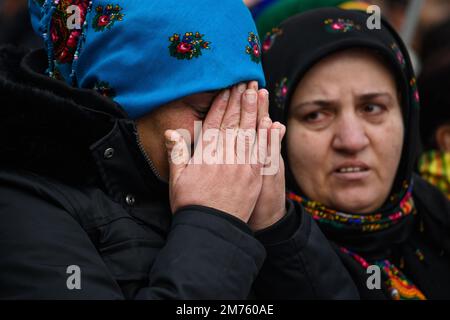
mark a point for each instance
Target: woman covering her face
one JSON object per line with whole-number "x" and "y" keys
{"x": 350, "y": 102}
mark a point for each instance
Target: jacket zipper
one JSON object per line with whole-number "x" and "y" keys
{"x": 146, "y": 157}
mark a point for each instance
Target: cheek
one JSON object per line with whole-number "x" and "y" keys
{"x": 181, "y": 119}
{"x": 306, "y": 150}
{"x": 389, "y": 144}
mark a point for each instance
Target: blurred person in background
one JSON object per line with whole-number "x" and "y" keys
{"x": 434, "y": 85}
{"x": 276, "y": 12}
{"x": 432, "y": 13}
{"x": 258, "y": 6}
{"x": 435, "y": 47}
{"x": 15, "y": 26}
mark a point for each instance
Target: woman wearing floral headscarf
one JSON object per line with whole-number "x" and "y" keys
{"x": 350, "y": 102}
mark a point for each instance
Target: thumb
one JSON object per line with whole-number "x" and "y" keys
{"x": 178, "y": 153}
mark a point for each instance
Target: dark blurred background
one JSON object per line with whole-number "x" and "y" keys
{"x": 15, "y": 25}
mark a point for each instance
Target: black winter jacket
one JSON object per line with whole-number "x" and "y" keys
{"x": 77, "y": 190}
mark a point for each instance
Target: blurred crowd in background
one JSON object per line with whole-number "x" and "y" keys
{"x": 424, "y": 25}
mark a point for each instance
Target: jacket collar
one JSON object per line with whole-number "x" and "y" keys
{"x": 73, "y": 135}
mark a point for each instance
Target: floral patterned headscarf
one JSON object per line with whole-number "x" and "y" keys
{"x": 144, "y": 54}
{"x": 299, "y": 43}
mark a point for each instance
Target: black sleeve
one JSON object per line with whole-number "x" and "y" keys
{"x": 301, "y": 264}
{"x": 39, "y": 241}
{"x": 205, "y": 257}
{"x": 209, "y": 255}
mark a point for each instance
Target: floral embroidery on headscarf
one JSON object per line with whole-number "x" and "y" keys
{"x": 281, "y": 91}
{"x": 269, "y": 40}
{"x": 254, "y": 48}
{"x": 106, "y": 17}
{"x": 64, "y": 40}
{"x": 415, "y": 92}
{"x": 340, "y": 25}
{"x": 105, "y": 89}
{"x": 190, "y": 46}
{"x": 398, "y": 55}
{"x": 398, "y": 285}
{"x": 364, "y": 222}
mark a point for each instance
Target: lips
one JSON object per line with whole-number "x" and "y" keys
{"x": 351, "y": 170}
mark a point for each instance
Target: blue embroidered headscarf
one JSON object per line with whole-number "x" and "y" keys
{"x": 144, "y": 54}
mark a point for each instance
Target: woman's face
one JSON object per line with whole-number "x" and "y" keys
{"x": 345, "y": 132}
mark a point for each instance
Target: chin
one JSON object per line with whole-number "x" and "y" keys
{"x": 355, "y": 201}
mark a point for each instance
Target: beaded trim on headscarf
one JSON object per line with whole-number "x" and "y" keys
{"x": 64, "y": 44}
{"x": 364, "y": 222}
{"x": 434, "y": 166}
{"x": 399, "y": 286}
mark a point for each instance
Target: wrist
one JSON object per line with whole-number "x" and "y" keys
{"x": 271, "y": 219}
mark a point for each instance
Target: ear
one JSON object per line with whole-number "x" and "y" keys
{"x": 443, "y": 137}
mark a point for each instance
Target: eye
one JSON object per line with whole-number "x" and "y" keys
{"x": 313, "y": 116}
{"x": 200, "y": 111}
{"x": 373, "y": 109}
{"x": 201, "y": 114}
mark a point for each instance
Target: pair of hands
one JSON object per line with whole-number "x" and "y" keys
{"x": 237, "y": 189}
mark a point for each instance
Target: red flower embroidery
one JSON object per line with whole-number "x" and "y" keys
{"x": 184, "y": 47}
{"x": 106, "y": 17}
{"x": 188, "y": 47}
{"x": 281, "y": 91}
{"x": 103, "y": 21}
{"x": 253, "y": 49}
{"x": 73, "y": 39}
{"x": 415, "y": 92}
{"x": 340, "y": 25}
{"x": 256, "y": 50}
{"x": 270, "y": 38}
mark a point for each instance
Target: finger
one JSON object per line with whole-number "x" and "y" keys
{"x": 280, "y": 128}
{"x": 274, "y": 160}
{"x": 178, "y": 153}
{"x": 263, "y": 139}
{"x": 217, "y": 111}
{"x": 249, "y": 110}
{"x": 233, "y": 113}
{"x": 246, "y": 137}
{"x": 253, "y": 85}
{"x": 263, "y": 104}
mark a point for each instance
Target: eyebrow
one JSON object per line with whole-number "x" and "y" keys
{"x": 320, "y": 102}
{"x": 323, "y": 103}
{"x": 369, "y": 96}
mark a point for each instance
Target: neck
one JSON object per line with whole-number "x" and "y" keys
{"x": 154, "y": 149}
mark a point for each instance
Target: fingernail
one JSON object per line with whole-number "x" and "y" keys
{"x": 241, "y": 88}
{"x": 264, "y": 92}
{"x": 226, "y": 95}
{"x": 174, "y": 136}
{"x": 250, "y": 96}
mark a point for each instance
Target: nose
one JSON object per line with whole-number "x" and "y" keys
{"x": 350, "y": 135}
